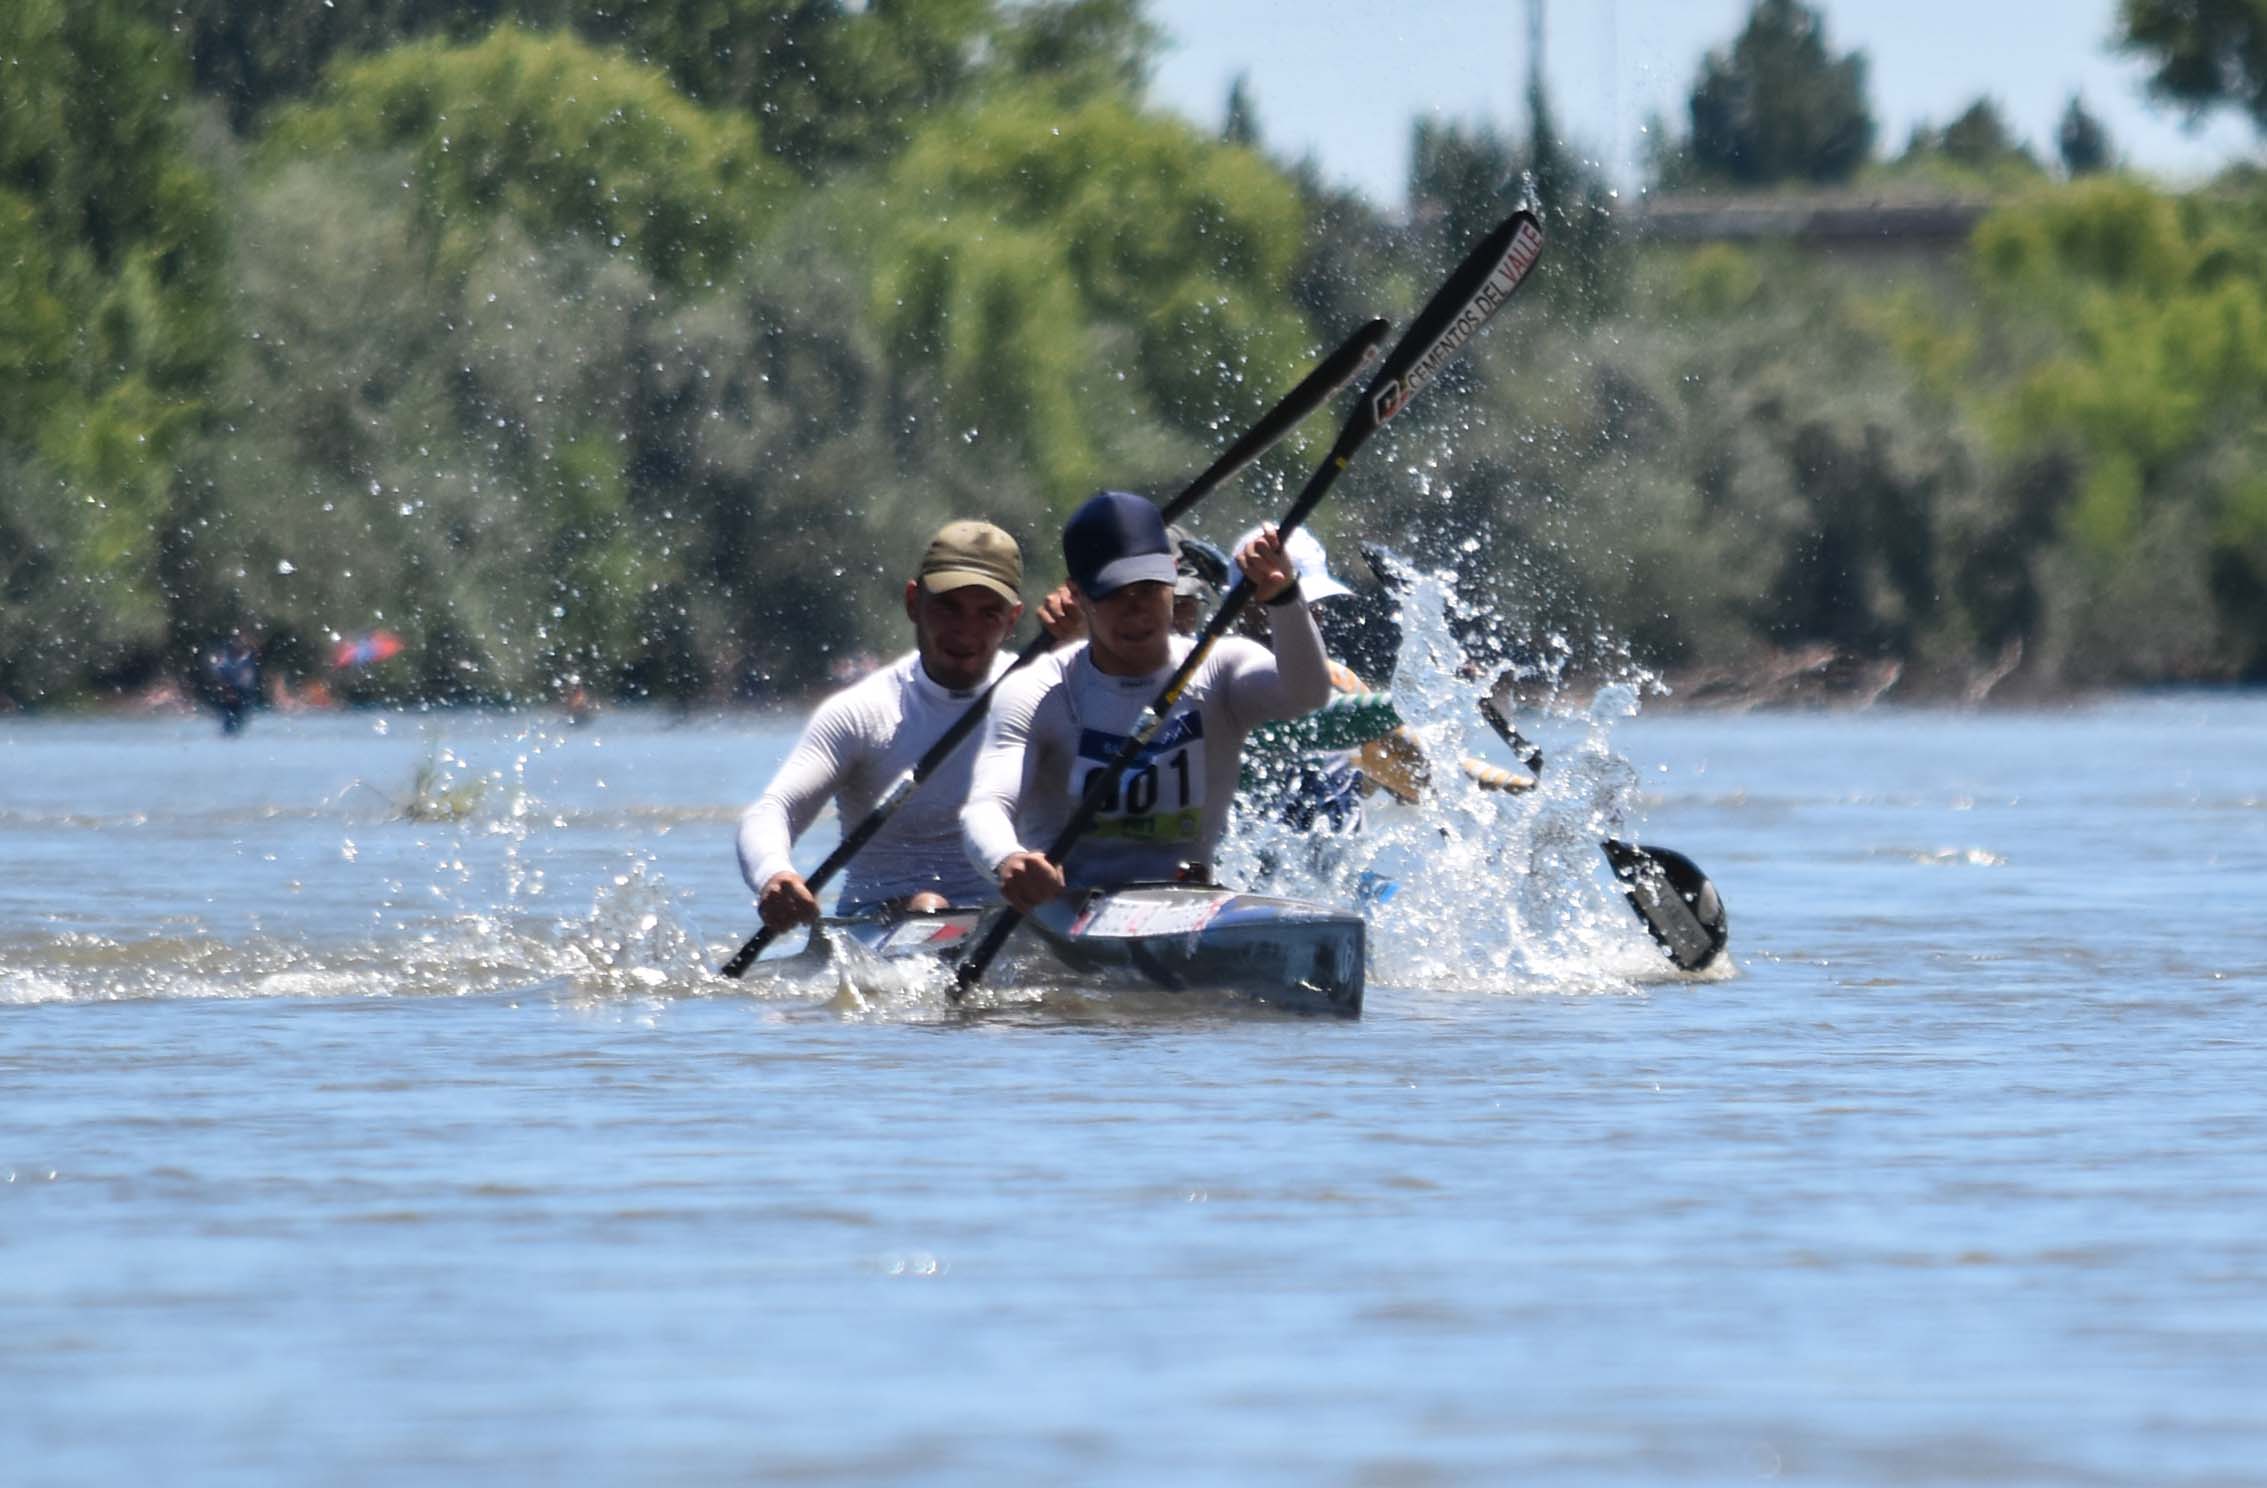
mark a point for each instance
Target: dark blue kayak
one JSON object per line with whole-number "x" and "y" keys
{"x": 1183, "y": 937}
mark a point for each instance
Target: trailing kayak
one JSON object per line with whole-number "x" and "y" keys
{"x": 1284, "y": 953}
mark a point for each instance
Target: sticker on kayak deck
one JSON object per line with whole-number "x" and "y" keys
{"x": 1176, "y": 914}
{"x": 914, "y": 934}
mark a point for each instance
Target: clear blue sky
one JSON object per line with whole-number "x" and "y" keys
{"x": 1341, "y": 79}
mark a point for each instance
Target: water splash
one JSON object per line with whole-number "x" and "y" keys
{"x": 853, "y": 985}
{"x": 404, "y": 899}
{"x": 1473, "y": 889}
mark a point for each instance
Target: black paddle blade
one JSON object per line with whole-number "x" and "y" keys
{"x": 1453, "y": 316}
{"x": 1678, "y": 904}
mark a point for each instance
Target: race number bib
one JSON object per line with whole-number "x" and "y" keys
{"x": 1158, "y": 798}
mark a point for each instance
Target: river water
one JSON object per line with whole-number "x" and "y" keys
{"x": 361, "y": 1128}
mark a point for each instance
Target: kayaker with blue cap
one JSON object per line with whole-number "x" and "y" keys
{"x": 1066, "y": 716}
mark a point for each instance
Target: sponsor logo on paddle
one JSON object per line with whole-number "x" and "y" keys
{"x": 1519, "y": 256}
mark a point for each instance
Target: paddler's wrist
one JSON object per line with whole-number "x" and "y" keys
{"x": 1288, "y": 594}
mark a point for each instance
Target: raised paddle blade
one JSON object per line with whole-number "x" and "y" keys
{"x": 1678, "y": 904}
{"x": 1453, "y": 316}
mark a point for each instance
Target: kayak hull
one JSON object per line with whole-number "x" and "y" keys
{"x": 1182, "y": 937}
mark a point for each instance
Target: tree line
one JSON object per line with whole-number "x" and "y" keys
{"x": 635, "y": 348}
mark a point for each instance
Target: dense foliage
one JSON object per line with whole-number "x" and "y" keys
{"x": 636, "y": 348}
{"x": 2204, "y": 54}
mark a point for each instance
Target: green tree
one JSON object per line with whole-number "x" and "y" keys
{"x": 1074, "y": 266}
{"x": 544, "y": 466}
{"x": 1080, "y": 47}
{"x": 2082, "y": 141}
{"x": 830, "y": 83}
{"x": 571, "y": 142}
{"x": 250, "y": 54}
{"x": 112, "y": 262}
{"x": 1725, "y": 477}
{"x": 2205, "y": 54}
{"x": 1463, "y": 179}
{"x": 1779, "y": 106}
{"x": 1352, "y": 259}
{"x": 1589, "y": 255}
{"x": 2151, "y": 381}
{"x": 516, "y": 461}
{"x": 1241, "y": 127}
{"x": 595, "y": 424}
{"x": 1980, "y": 137}
{"x": 1975, "y": 149}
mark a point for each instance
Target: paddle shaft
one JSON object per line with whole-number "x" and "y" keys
{"x": 1313, "y": 391}
{"x": 1523, "y": 749}
{"x": 1478, "y": 288}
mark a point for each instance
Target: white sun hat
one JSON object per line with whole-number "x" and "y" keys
{"x": 1308, "y": 560}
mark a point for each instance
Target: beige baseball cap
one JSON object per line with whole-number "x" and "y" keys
{"x": 964, "y": 553}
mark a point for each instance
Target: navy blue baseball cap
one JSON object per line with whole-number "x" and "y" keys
{"x": 1117, "y": 538}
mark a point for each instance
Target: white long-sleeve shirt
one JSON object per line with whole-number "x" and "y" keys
{"x": 1062, "y": 718}
{"x": 852, "y": 751}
